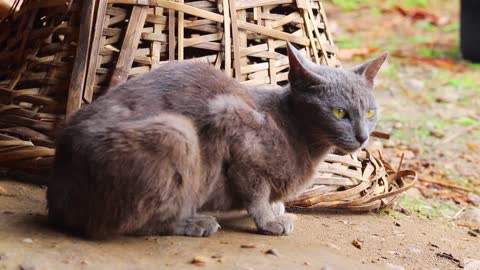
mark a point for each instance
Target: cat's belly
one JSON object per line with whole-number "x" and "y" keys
{"x": 221, "y": 196}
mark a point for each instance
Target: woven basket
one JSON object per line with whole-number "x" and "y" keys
{"x": 357, "y": 183}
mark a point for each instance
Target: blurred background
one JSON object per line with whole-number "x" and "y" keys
{"x": 428, "y": 93}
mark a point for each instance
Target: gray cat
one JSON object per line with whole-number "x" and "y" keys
{"x": 147, "y": 156}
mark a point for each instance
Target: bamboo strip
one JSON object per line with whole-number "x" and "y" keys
{"x": 130, "y": 43}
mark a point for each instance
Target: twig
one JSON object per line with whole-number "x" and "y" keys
{"x": 457, "y": 214}
{"x": 459, "y": 133}
{"x": 444, "y": 184}
{"x": 380, "y": 135}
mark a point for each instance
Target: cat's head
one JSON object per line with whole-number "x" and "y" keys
{"x": 335, "y": 105}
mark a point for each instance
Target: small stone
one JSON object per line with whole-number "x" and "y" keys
{"x": 273, "y": 252}
{"x": 391, "y": 266}
{"x": 357, "y": 244}
{"x": 248, "y": 246}
{"x": 306, "y": 263}
{"x": 199, "y": 261}
{"x": 27, "y": 266}
{"x": 84, "y": 262}
{"x": 333, "y": 246}
{"x": 473, "y": 198}
{"x": 397, "y": 224}
{"x": 471, "y": 264}
{"x": 4, "y": 255}
{"x": 27, "y": 240}
{"x": 414, "y": 84}
{"x": 415, "y": 250}
{"x": 474, "y": 233}
{"x": 217, "y": 256}
{"x": 472, "y": 215}
{"x": 448, "y": 98}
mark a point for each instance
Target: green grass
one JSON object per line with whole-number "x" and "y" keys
{"x": 347, "y": 42}
{"x": 426, "y": 209}
{"x": 434, "y": 53}
{"x": 465, "y": 121}
{"x": 464, "y": 82}
{"x": 416, "y": 3}
{"x": 349, "y": 5}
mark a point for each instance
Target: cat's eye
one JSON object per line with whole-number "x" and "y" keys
{"x": 371, "y": 113}
{"x": 339, "y": 113}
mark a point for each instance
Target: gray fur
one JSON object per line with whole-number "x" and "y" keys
{"x": 148, "y": 155}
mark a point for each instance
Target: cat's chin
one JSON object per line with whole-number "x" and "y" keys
{"x": 345, "y": 150}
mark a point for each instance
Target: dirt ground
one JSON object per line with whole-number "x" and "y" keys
{"x": 319, "y": 241}
{"x": 429, "y": 103}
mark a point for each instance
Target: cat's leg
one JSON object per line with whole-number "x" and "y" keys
{"x": 149, "y": 177}
{"x": 278, "y": 208}
{"x": 260, "y": 209}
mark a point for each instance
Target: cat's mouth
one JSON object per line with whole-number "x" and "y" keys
{"x": 349, "y": 148}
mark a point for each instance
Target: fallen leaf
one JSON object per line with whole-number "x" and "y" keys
{"x": 273, "y": 252}
{"x": 350, "y": 53}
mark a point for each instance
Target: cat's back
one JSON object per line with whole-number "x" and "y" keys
{"x": 183, "y": 87}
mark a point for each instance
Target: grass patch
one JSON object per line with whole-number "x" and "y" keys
{"x": 434, "y": 53}
{"x": 426, "y": 209}
{"x": 349, "y": 5}
{"x": 463, "y": 82}
{"x": 347, "y": 42}
{"x": 465, "y": 121}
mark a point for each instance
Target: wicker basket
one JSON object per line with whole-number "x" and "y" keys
{"x": 356, "y": 183}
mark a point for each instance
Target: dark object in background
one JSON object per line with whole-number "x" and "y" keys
{"x": 470, "y": 30}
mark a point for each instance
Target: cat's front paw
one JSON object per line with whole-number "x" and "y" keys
{"x": 281, "y": 225}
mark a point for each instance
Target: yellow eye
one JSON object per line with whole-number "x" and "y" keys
{"x": 339, "y": 113}
{"x": 371, "y": 113}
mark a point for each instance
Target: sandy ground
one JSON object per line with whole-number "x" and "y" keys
{"x": 320, "y": 241}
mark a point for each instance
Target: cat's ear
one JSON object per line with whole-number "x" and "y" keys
{"x": 370, "y": 68}
{"x": 299, "y": 73}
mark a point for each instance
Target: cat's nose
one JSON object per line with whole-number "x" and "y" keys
{"x": 361, "y": 138}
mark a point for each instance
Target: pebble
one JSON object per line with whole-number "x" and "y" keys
{"x": 357, "y": 244}
{"x": 391, "y": 266}
{"x": 4, "y": 255}
{"x": 199, "y": 260}
{"x": 414, "y": 84}
{"x": 273, "y": 252}
{"x": 415, "y": 250}
{"x": 27, "y": 240}
{"x": 333, "y": 246}
{"x": 472, "y": 215}
{"x": 471, "y": 264}
{"x": 27, "y": 266}
{"x": 473, "y": 198}
{"x": 248, "y": 246}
